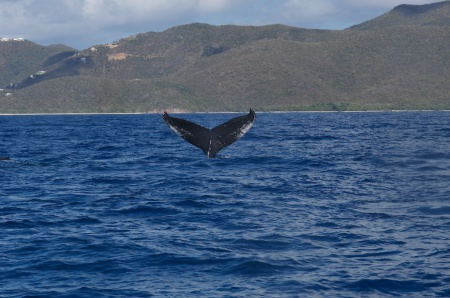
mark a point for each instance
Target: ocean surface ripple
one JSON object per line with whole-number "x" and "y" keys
{"x": 304, "y": 205}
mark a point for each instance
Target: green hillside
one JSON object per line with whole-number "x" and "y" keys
{"x": 397, "y": 61}
{"x": 433, "y": 14}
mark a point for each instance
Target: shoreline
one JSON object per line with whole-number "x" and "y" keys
{"x": 224, "y": 112}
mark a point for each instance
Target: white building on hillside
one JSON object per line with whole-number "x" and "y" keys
{"x": 12, "y": 39}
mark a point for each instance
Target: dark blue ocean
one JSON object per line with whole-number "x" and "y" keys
{"x": 304, "y": 205}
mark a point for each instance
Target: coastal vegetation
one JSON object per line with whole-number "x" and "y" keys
{"x": 400, "y": 60}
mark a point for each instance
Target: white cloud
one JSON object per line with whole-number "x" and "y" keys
{"x": 215, "y": 6}
{"x": 308, "y": 10}
{"x": 112, "y": 11}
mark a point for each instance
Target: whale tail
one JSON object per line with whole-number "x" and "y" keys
{"x": 211, "y": 141}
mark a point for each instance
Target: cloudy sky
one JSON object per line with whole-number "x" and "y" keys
{"x": 83, "y": 23}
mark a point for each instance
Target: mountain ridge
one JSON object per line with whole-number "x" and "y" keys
{"x": 432, "y": 14}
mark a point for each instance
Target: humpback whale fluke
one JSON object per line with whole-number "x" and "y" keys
{"x": 213, "y": 140}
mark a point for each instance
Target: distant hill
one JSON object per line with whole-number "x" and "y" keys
{"x": 399, "y": 60}
{"x": 434, "y": 14}
{"x": 19, "y": 59}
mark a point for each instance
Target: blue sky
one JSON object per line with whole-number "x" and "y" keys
{"x": 84, "y": 23}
